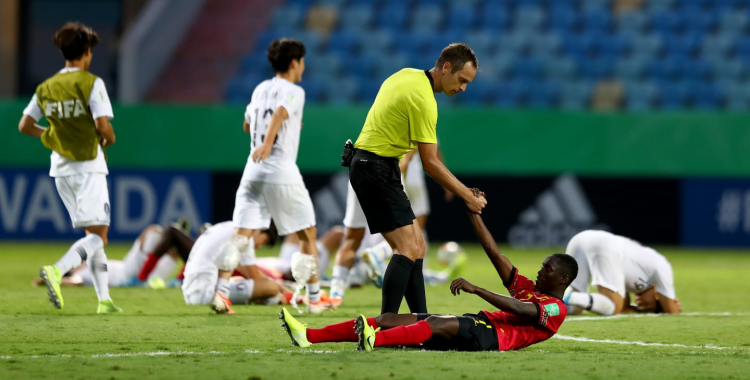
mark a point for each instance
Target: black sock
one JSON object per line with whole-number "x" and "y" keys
{"x": 414, "y": 295}
{"x": 395, "y": 281}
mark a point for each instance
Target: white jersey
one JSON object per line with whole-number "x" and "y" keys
{"x": 206, "y": 249}
{"x": 99, "y": 105}
{"x": 644, "y": 268}
{"x": 281, "y": 165}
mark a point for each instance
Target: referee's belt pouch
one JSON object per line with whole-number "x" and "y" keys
{"x": 346, "y": 156}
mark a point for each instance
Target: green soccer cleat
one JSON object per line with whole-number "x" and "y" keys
{"x": 366, "y": 334}
{"x": 107, "y": 307}
{"x": 296, "y": 330}
{"x": 51, "y": 276}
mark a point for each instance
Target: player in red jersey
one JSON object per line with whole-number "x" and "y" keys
{"x": 532, "y": 314}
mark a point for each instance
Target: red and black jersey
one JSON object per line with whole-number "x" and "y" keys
{"x": 515, "y": 332}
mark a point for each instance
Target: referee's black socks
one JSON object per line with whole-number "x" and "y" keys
{"x": 395, "y": 281}
{"x": 414, "y": 295}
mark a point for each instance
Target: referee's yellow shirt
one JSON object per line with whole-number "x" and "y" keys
{"x": 403, "y": 114}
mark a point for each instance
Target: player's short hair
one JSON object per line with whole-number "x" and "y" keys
{"x": 74, "y": 40}
{"x": 568, "y": 264}
{"x": 283, "y": 51}
{"x": 458, "y": 54}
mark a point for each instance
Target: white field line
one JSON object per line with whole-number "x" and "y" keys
{"x": 637, "y": 343}
{"x": 624, "y": 316}
{"x": 167, "y": 353}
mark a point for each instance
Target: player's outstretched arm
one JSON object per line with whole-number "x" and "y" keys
{"x": 274, "y": 126}
{"x": 504, "y": 303}
{"x": 105, "y": 130}
{"x": 432, "y": 165}
{"x": 502, "y": 265}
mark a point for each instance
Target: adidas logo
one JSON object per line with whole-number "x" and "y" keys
{"x": 558, "y": 214}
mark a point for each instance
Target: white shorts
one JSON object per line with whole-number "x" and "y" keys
{"x": 416, "y": 188}
{"x": 354, "y": 216}
{"x": 86, "y": 197}
{"x": 199, "y": 288}
{"x": 599, "y": 260}
{"x": 257, "y": 203}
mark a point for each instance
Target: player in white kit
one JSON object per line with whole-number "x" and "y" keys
{"x": 618, "y": 267}
{"x": 77, "y": 108}
{"x": 272, "y": 186}
{"x": 199, "y": 285}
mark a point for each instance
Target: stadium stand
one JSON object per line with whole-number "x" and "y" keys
{"x": 651, "y": 54}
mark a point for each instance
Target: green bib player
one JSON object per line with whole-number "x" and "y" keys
{"x": 78, "y": 110}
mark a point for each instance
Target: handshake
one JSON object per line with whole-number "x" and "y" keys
{"x": 476, "y": 202}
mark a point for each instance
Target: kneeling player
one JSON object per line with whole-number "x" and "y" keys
{"x": 617, "y": 267}
{"x": 200, "y": 281}
{"x": 533, "y": 314}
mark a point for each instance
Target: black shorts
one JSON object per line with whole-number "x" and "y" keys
{"x": 377, "y": 182}
{"x": 475, "y": 333}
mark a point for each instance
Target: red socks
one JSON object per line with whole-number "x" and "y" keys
{"x": 181, "y": 276}
{"x": 148, "y": 266}
{"x": 339, "y": 332}
{"x": 410, "y": 335}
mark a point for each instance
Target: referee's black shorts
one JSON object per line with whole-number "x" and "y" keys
{"x": 475, "y": 333}
{"x": 377, "y": 182}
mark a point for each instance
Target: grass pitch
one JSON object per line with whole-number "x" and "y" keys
{"x": 159, "y": 337}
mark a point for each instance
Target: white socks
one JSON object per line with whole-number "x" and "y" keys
{"x": 248, "y": 256}
{"x": 338, "y": 282}
{"x": 79, "y": 252}
{"x": 98, "y": 265}
{"x": 313, "y": 292}
{"x": 240, "y": 293}
{"x": 595, "y": 302}
{"x": 383, "y": 251}
{"x": 222, "y": 287}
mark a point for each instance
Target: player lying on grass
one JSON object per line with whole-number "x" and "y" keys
{"x": 532, "y": 314}
{"x": 618, "y": 267}
{"x": 122, "y": 272}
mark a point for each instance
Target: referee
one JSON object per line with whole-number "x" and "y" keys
{"x": 403, "y": 118}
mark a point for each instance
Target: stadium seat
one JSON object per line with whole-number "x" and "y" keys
{"x": 728, "y": 70}
{"x": 517, "y": 42}
{"x": 660, "y": 5}
{"x": 733, "y": 22}
{"x": 631, "y": 68}
{"x": 498, "y": 65}
{"x": 686, "y": 44}
{"x": 342, "y": 91}
{"x": 545, "y": 43}
{"x": 477, "y": 93}
{"x": 707, "y": 96}
{"x": 563, "y": 18}
{"x": 240, "y": 88}
{"x": 542, "y": 95}
{"x": 575, "y": 95}
{"x": 595, "y": 69}
{"x": 529, "y": 18}
{"x": 673, "y": 95}
{"x": 645, "y": 44}
{"x": 426, "y": 18}
{"x": 717, "y": 46}
{"x": 640, "y": 95}
{"x": 393, "y": 17}
{"x": 560, "y": 69}
{"x": 527, "y": 68}
{"x": 324, "y": 64}
{"x": 632, "y": 22}
{"x": 597, "y": 19}
{"x": 587, "y": 5}
{"x": 461, "y": 16}
{"x": 357, "y": 17}
{"x": 494, "y": 17}
{"x": 289, "y": 16}
{"x": 666, "y": 22}
{"x": 343, "y": 43}
{"x": 482, "y": 42}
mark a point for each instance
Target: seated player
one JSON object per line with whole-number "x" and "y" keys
{"x": 617, "y": 267}
{"x": 121, "y": 272}
{"x": 532, "y": 314}
{"x": 199, "y": 285}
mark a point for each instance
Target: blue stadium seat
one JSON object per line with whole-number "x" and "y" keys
{"x": 477, "y": 93}
{"x": 389, "y": 65}
{"x": 369, "y": 90}
{"x": 563, "y": 18}
{"x": 255, "y": 63}
{"x": 640, "y": 95}
{"x": 482, "y": 42}
{"x": 560, "y": 69}
{"x": 631, "y": 22}
{"x": 660, "y": 5}
{"x": 575, "y": 95}
{"x": 332, "y": 3}
{"x": 529, "y": 18}
{"x": 597, "y": 19}
{"x": 631, "y": 69}
{"x": 494, "y": 17}
{"x": 595, "y": 69}
{"x": 417, "y": 42}
{"x": 698, "y": 19}
{"x": 542, "y": 95}
{"x": 427, "y": 18}
{"x": 645, "y": 44}
{"x": 324, "y": 64}
{"x": 707, "y": 96}
{"x": 545, "y": 43}
{"x": 588, "y": 5}
{"x": 717, "y": 46}
{"x": 342, "y": 91}
{"x": 364, "y": 65}
{"x": 737, "y": 95}
{"x": 343, "y": 43}
{"x": 729, "y": 70}
{"x": 462, "y": 16}
{"x": 289, "y": 16}
{"x": 667, "y": 69}
{"x": 527, "y": 68}
{"x": 510, "y": 94}
{"x": 498, "y": 66}
{"x": 613, "y": 45}
{"x": 357, "y": 17}
{"x": 516, "y": 42}
{"x": 733, "y": 22}
{"x": 686, "y": 44}
{"x": 393, "y": 17}
{"x": 314, "y": 89}
{"x": 240, "y": 88}
{"x": 674, "y": 95}
{"x": 666, "y": 22}
{"x": 579, "y": 46}
{"x": 696, "y": 69}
